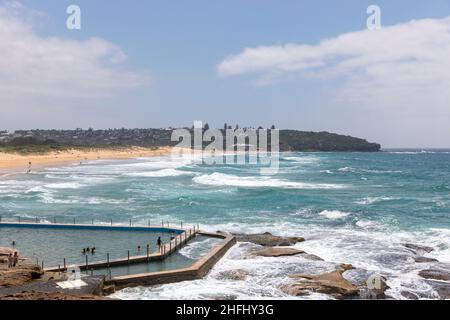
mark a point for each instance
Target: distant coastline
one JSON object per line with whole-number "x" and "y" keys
{"x": 289, "y": 140}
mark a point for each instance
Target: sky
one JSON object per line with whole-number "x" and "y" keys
{"x": 307, "y": 65}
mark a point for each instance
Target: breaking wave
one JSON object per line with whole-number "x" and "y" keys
{"x": 221, "y": 179}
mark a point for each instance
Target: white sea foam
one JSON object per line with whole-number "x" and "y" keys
{"x": 64, "y": 185}
{"x": 160, "y": 173}
{"x": 371, "y": 200}
{"x": 303, "y": 159}
{"x": 195, "y": 250}
{"x": 334, "y": 214}
{"x": 346, "y": 169}
{"x": 221, "y": 179}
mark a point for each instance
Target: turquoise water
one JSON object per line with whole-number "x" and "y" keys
{"x": 352, "y": 207}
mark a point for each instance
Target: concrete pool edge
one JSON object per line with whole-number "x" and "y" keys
{"x": 196, "y": 271}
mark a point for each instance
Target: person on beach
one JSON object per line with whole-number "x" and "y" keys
{"x": 15, "y": 259}
{"x": 84, "y": 251}
{"x": 10, "y": 261}
{"x": 159, "y": 243}
{"x": 93, "y": 250}
{"x": 29, "y": 167}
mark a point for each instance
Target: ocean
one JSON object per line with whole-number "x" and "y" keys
{"x": 358, "y": 208}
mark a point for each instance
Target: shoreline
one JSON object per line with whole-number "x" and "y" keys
{"x": 11, "y": 163}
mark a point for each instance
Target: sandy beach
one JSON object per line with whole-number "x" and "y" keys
{"x": 13, "y": 162}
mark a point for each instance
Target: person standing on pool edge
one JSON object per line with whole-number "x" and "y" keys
{"x": 159, "y": 243}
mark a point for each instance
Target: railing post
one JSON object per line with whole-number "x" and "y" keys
{"x": 128, "y": 256}
{"x": 107, "y": 259}
{"x": 111, "y": 223}
{"x": 181, "y": 224}
{"x": 162, "y": 223}
{"x": 87, "y": 263}
{"x": 92, "y": 221}
{"x": 148, "y": 251}
{"x": 19, "y": 219}
{"x": 130, "y": 222}
{"x": 42, "y": 264}
{"x": 64, "y": 261}
{"x": 74, "y": 221}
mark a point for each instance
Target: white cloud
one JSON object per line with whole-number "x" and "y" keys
{"x": 401, "y": 58}
{"x": 36, "y": 66}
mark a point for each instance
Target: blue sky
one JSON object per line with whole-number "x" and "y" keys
{"x": 172, "y": 76}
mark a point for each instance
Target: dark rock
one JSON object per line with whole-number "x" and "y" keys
{"x": 409, "y": 295}
{"x": 418, "y": 248}
{"x": 435, "y": 274}
{"x": 312, "y": 257}
{"x": 422, "y": 259}
{"x": 108, "y": 290}
{"x": 442, "y": 288}
{"x": 238, "y": 275}
{"x": 268, "y": 240}
{"x": 277, "y": 252}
